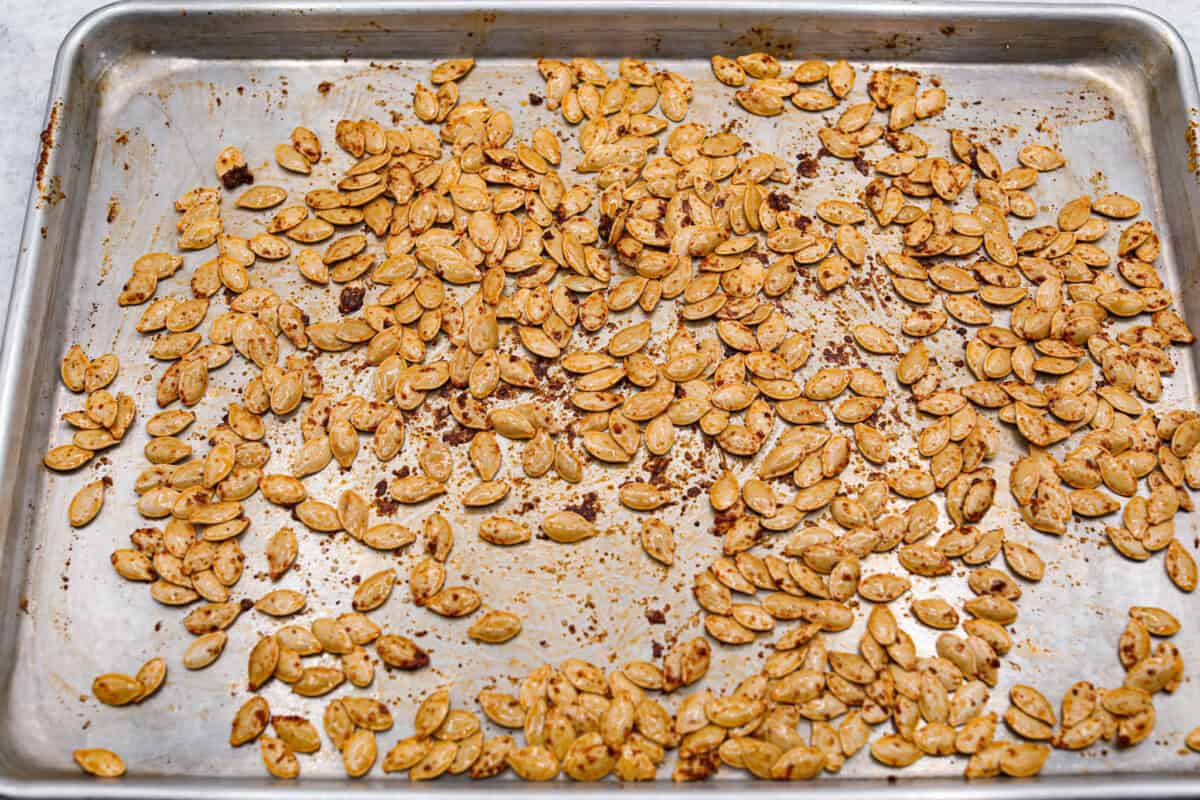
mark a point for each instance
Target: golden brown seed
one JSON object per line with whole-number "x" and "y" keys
{"x": 279, "y": 758}
{"x": 374, "y": 591}
{"x": 317, "y": 681}
{"x": 567, "y": 527}
{"x": 249, "y": 721}
{"x": 400, "y": 652}
{"x": 204, "y": 650}
{"x": 86, "y": 503}
{"x": 1181, "y": 566}
{"x": 115, "y": 689}
{"x": 893, "y": 751}
{"x": 100, "y": 762}
{"x": 151, "y": 676}
{"x": 281, "y": 602}
{"x": 495, "y": 627}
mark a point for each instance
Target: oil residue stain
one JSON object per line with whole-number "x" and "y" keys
{"x": 47, "y": 139}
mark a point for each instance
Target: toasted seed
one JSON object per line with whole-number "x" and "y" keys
{"x": 281, "y": 551}
{"x": 374, "y": 591}
{"x": 400, "y": 652}
{"x": 297, "y": 733}
{"x": 86, "y": 503}
{"x": 1033, "y": 703}
{"x": 1181, "y": 566}
{"x": 263, "y": 660}
{"x": 454, "y": 601}
{"x": 279, "y": 758}
{"x": 1117, "y": 206}
{"x": 359, "y": 753}
{"x": 281, "y": 602}
{"x": 567, "y": 527}
{"x": 204, "y": 650}
{"x": 115, "y": 689}
{"x": 1023, "y": 759}
{"x": 658, "y": 540}
{"x": 67, "y": 457}
{"x": 249, "y": 722}
{"x": 495, "y": 627}
{"x": 935, "y": 612}
{"x": 406, "y": 753}
{"x": 1157, "y": 621}
{"x": 368, "y": 713}
{"x": 337, "y": 723}
{"x": 99, "y": 762}
{"x": 151, "y": 676}
{"x": 439, "y": 758}
{"x": 327, "y": 633}
{"x": 317, "y": 681}
{"x": 893, "y": 751}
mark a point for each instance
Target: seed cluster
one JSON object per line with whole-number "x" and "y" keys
{"x": 451, "y": 230}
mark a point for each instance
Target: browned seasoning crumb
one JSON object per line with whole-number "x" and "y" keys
{"x": 237, "y": 176}
{"x": 588, "y": 506}
{"x": 351, "y": 299}
{"x": 806, "y": 166}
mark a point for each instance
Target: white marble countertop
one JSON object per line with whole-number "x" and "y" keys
{"x": 30, "y": 33}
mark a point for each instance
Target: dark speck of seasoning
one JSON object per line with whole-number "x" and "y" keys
{"x": 237, "y": 177}
{"x": 351, "y": 299}
{"x": 656, "y": 649}
{"x": 458, "y": 435}
{"x": 535, "y": 99}
{"x": 324, "y": 86}
{"x": 655, "y": 468}
{"x": 588, "y": 506}
{"x": 724, "y": 520}
{"x": 605, "y": 227}
{"x": 656, "y": 616}
{"x": 385, "y": 506}
{"x": 806, "y": 166}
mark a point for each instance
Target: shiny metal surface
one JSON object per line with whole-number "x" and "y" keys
{"x": 150, "y": 91}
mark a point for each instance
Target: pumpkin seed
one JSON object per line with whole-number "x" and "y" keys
{"x": 99, "y": 762}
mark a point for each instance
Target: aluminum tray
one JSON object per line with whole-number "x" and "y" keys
{"x": 145, "y": 93}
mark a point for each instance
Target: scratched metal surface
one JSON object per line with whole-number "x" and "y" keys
{"x": 150, "y": 96}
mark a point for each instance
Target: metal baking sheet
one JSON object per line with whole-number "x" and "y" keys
{"x": 144, "y": 95}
